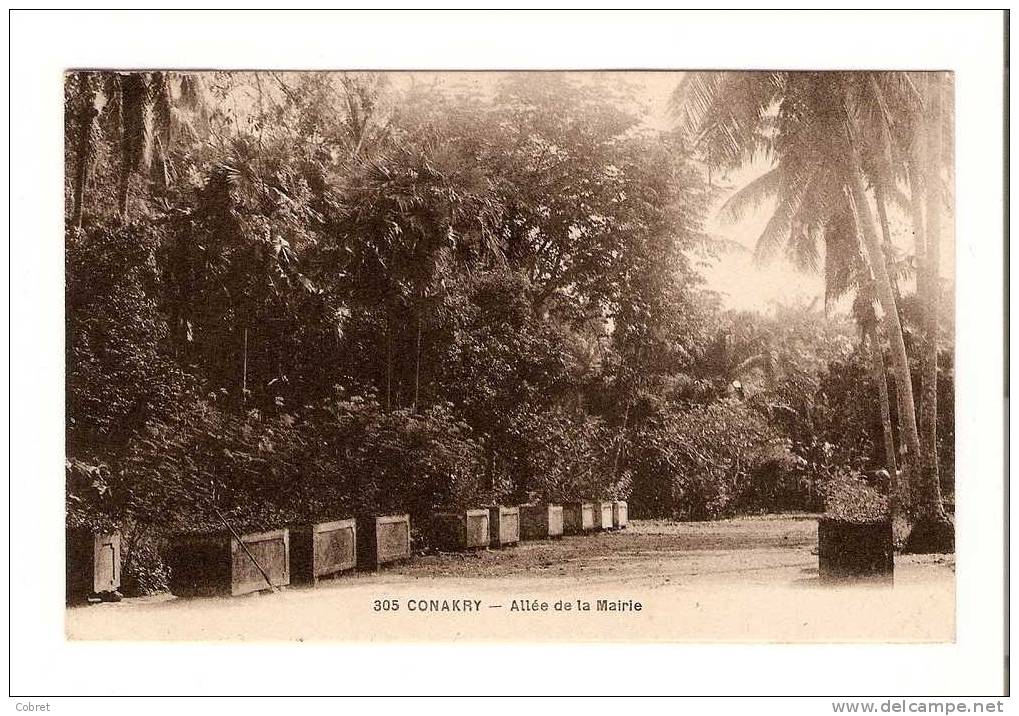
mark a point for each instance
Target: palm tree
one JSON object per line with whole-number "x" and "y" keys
{"x": 736, "y": 353}
{"x": 84, "y": 103}
{"x": 811, "y": 127}
{"x": 913, "y": 153}
{"x": 929, "y": 140}
{"x": 137, "y": 113}
{"x": 845, "y": 271}
{"x": 416, "y": 214}
{"x": 813, "y": 211}
{"x": 915, "y": 150}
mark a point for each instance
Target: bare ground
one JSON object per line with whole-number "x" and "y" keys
{"x": 748, "y": 579}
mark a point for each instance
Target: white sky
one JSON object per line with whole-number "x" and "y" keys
{"x": 742, "y": 282}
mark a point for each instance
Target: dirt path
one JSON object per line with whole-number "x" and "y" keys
{"x": 752, "y": 579}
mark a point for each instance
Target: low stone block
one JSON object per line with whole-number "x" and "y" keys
{"x": 541, "y": 521}
{"x": 504, "y": 523}
{"x": 603, "y": 516}
{"x": 382, "y": 540}
{"x": 322, "y": 549}
{"x": 216, "y": 563}
{"x": 578, "y": 517}
{"x": 466, "y": 529}
{"x": 93, "y": 564}
{"x": 620, "y": 518}
{"x": 855, "y": 551}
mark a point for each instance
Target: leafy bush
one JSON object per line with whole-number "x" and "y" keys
{"x": 558, "y": 456}
{"x": 143, "y": 569}
{"x": 848, "y": 498}
{"x": 401, "y": 460}
{"x": 697, "y": 463}
{"x": 347, "y": 456}
{"x": 118, "y": 374}
{"x": 90, "y": 501}
{"x": 95, "y": 503}
{"x": 780, "y": 482}
{"x": 176, "y": 474}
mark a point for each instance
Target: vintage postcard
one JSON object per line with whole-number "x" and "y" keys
{"x": 510, "y": 356}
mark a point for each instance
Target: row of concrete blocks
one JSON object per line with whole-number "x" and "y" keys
{"x": 219, "y": 563}
{"x": 504, "y": 526}
{"x": 213, "y": 563}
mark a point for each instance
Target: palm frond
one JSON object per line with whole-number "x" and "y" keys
{"x": 777, "y": 231}
{"x": 161, "y": 103}
{"x": 190, "y": 90}
{"x": 724, "y": 113}
{"x": 750, "y": 197}
{"x": 693, "y": 98}
{"x": 844, "y": 267}
{"x": 804, "y": 248}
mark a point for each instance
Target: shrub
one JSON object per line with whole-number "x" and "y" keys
{"x": 182, "y": 474}
{"x": 779, "y": 482}
{"x": 118, "y": 373}
{"x": 848, "y": 498}
{"x": 832, "y": 419}
{"x": 347, "y": 456}
{"x": 402, "y": 460}
{"x": 94, "y": 503}
{"x": 697, "y": 463}
{"x": 557, "y": 455}
{"x": 143, "y": 569}
{"x": 90, "y": 501}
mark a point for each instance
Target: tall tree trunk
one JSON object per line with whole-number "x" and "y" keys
{"x": 417, "y": 348}
{"x": 619, "y": 440}
{"x": 244, "y": 370}
{"x": 878, "y": 374}
{"x": 389, "y": 363}
{"x": 135, "y": 133}
{"x": 927, "y": 487}
{"x": 886, "y": 233}
{"x": 417, "y": 364}
{"x": 908, "y": 433}
{"x": 899, "y": 490}
{"x": 84, "y": 159}
{"x": 122, "y": 193}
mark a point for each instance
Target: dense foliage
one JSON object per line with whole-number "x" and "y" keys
{"x": 697, "y": 463}
{"x": 294, "y": 296}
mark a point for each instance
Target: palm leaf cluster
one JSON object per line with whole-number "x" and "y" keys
{"x": 799, "y": 123}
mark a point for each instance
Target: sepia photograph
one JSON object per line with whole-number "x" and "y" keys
{"x": 524, "y": 353}
{"x": 563, "y": 356}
